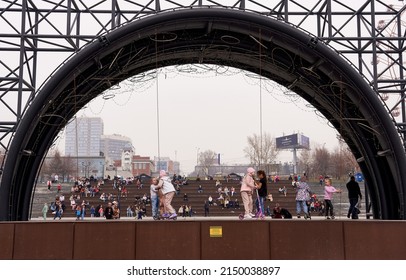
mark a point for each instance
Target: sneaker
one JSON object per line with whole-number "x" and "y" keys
{"x": 327, "y": 218}
{"x": 332, "y": 217}
{"x": 247, "y": 216}
{"x": 252, "y": 215}
{"x": 298, "y": 216}
{"x": 173, "y": 216}
{"x": 165, "y": 215}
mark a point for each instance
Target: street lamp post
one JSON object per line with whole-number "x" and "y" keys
{"x": 197, "y": 156}
{"x": 197, "y": 159}
{"x": 102, "y": 171}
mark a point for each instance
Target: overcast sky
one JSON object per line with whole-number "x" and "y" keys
{"x": 209, "y": 111}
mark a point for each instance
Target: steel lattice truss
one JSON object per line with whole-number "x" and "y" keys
{"x": 42, "y": 34}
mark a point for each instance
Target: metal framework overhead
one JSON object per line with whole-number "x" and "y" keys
{"x": 369, "y": 35}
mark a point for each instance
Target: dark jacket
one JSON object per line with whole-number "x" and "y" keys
{"x": 353, "y": 189}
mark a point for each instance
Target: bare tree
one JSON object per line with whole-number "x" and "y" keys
{"x": 349, "y": 157}
{"x": 68, "y": 167}
{"x": 305, "y": 161}
{"x": 56, "y": 164}
{"x": 321, "y": 160}
{"x": 343, "y": 161}
{"x": 207, "y": 159}
{"x": 261, "y": 150}
{"x": 338, "y": 164}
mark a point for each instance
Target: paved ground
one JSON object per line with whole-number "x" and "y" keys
{"x": 197, "y": 218}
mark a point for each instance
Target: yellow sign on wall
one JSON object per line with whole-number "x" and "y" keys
{"x": 216, "y": 231}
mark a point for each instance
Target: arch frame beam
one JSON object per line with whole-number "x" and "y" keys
{"x": 289, "y": 56}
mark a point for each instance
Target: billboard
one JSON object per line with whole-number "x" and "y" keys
{"x": 304, "y": 142}
{"x": 293, "y": 141}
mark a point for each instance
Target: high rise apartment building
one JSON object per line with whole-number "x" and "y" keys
{"x": 113, "y": 146}
{"x": 82, "y": 137}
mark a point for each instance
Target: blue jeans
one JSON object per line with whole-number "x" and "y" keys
{"x": 301, "y": 204}
{"x": 154, "y": 205}
{"x": 57, "y": 214}
{"x": 260, "y": 203}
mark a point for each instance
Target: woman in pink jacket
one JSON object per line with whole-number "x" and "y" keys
{"x": 248, "y": 185}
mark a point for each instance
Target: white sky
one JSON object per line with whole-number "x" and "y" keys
{"x": 206, "y": 111}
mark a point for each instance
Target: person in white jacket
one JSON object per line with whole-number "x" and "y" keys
{"x": 248, "y": 185}
{"x": 168, "y": 190}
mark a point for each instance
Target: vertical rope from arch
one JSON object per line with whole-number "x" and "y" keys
{"x": 157, "y": 103}
{"x": 76, "y": 129}
{"x": 260, "y": 102}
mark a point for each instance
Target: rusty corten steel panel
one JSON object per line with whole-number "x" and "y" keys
{"x": 375, "y": 240}
{"x": 307, "y": 240}
{"x": 43, "y": 241}
{"x": 191, "y": 240}
{"x": 105, "y": 240}
{"x": 168, "y": 240}
{"x": 6, "y": 241}
{"x": 241, "y": 240}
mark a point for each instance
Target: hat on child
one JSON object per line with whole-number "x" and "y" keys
{"x": 162, "y": 173}
{"x": 250, "y": 170}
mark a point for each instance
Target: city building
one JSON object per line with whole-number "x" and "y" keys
{"x": 165, "y": 163}
{"x": 142, "y": 165}
{"x": 82, "y": 137}
{"x": 112, "y": 146}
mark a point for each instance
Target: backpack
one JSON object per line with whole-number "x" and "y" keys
{"x": 52, "y": 207}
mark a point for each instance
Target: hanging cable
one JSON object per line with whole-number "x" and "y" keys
{"x": 76, "y": 130}
{"x": 157, "y": 104}
{"x": 260, "y": 102}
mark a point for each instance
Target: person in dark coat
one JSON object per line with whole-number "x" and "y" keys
{"x": 206, "y": 208}
{"x": 108, "y": 211}
{"x": 354, "y": 193}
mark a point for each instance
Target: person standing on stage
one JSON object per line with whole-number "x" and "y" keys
{"x": 247, "y": 186}
{"x": 354, "y": 193}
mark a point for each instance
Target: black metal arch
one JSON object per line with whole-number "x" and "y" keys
{"x": 220, "y": 36}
